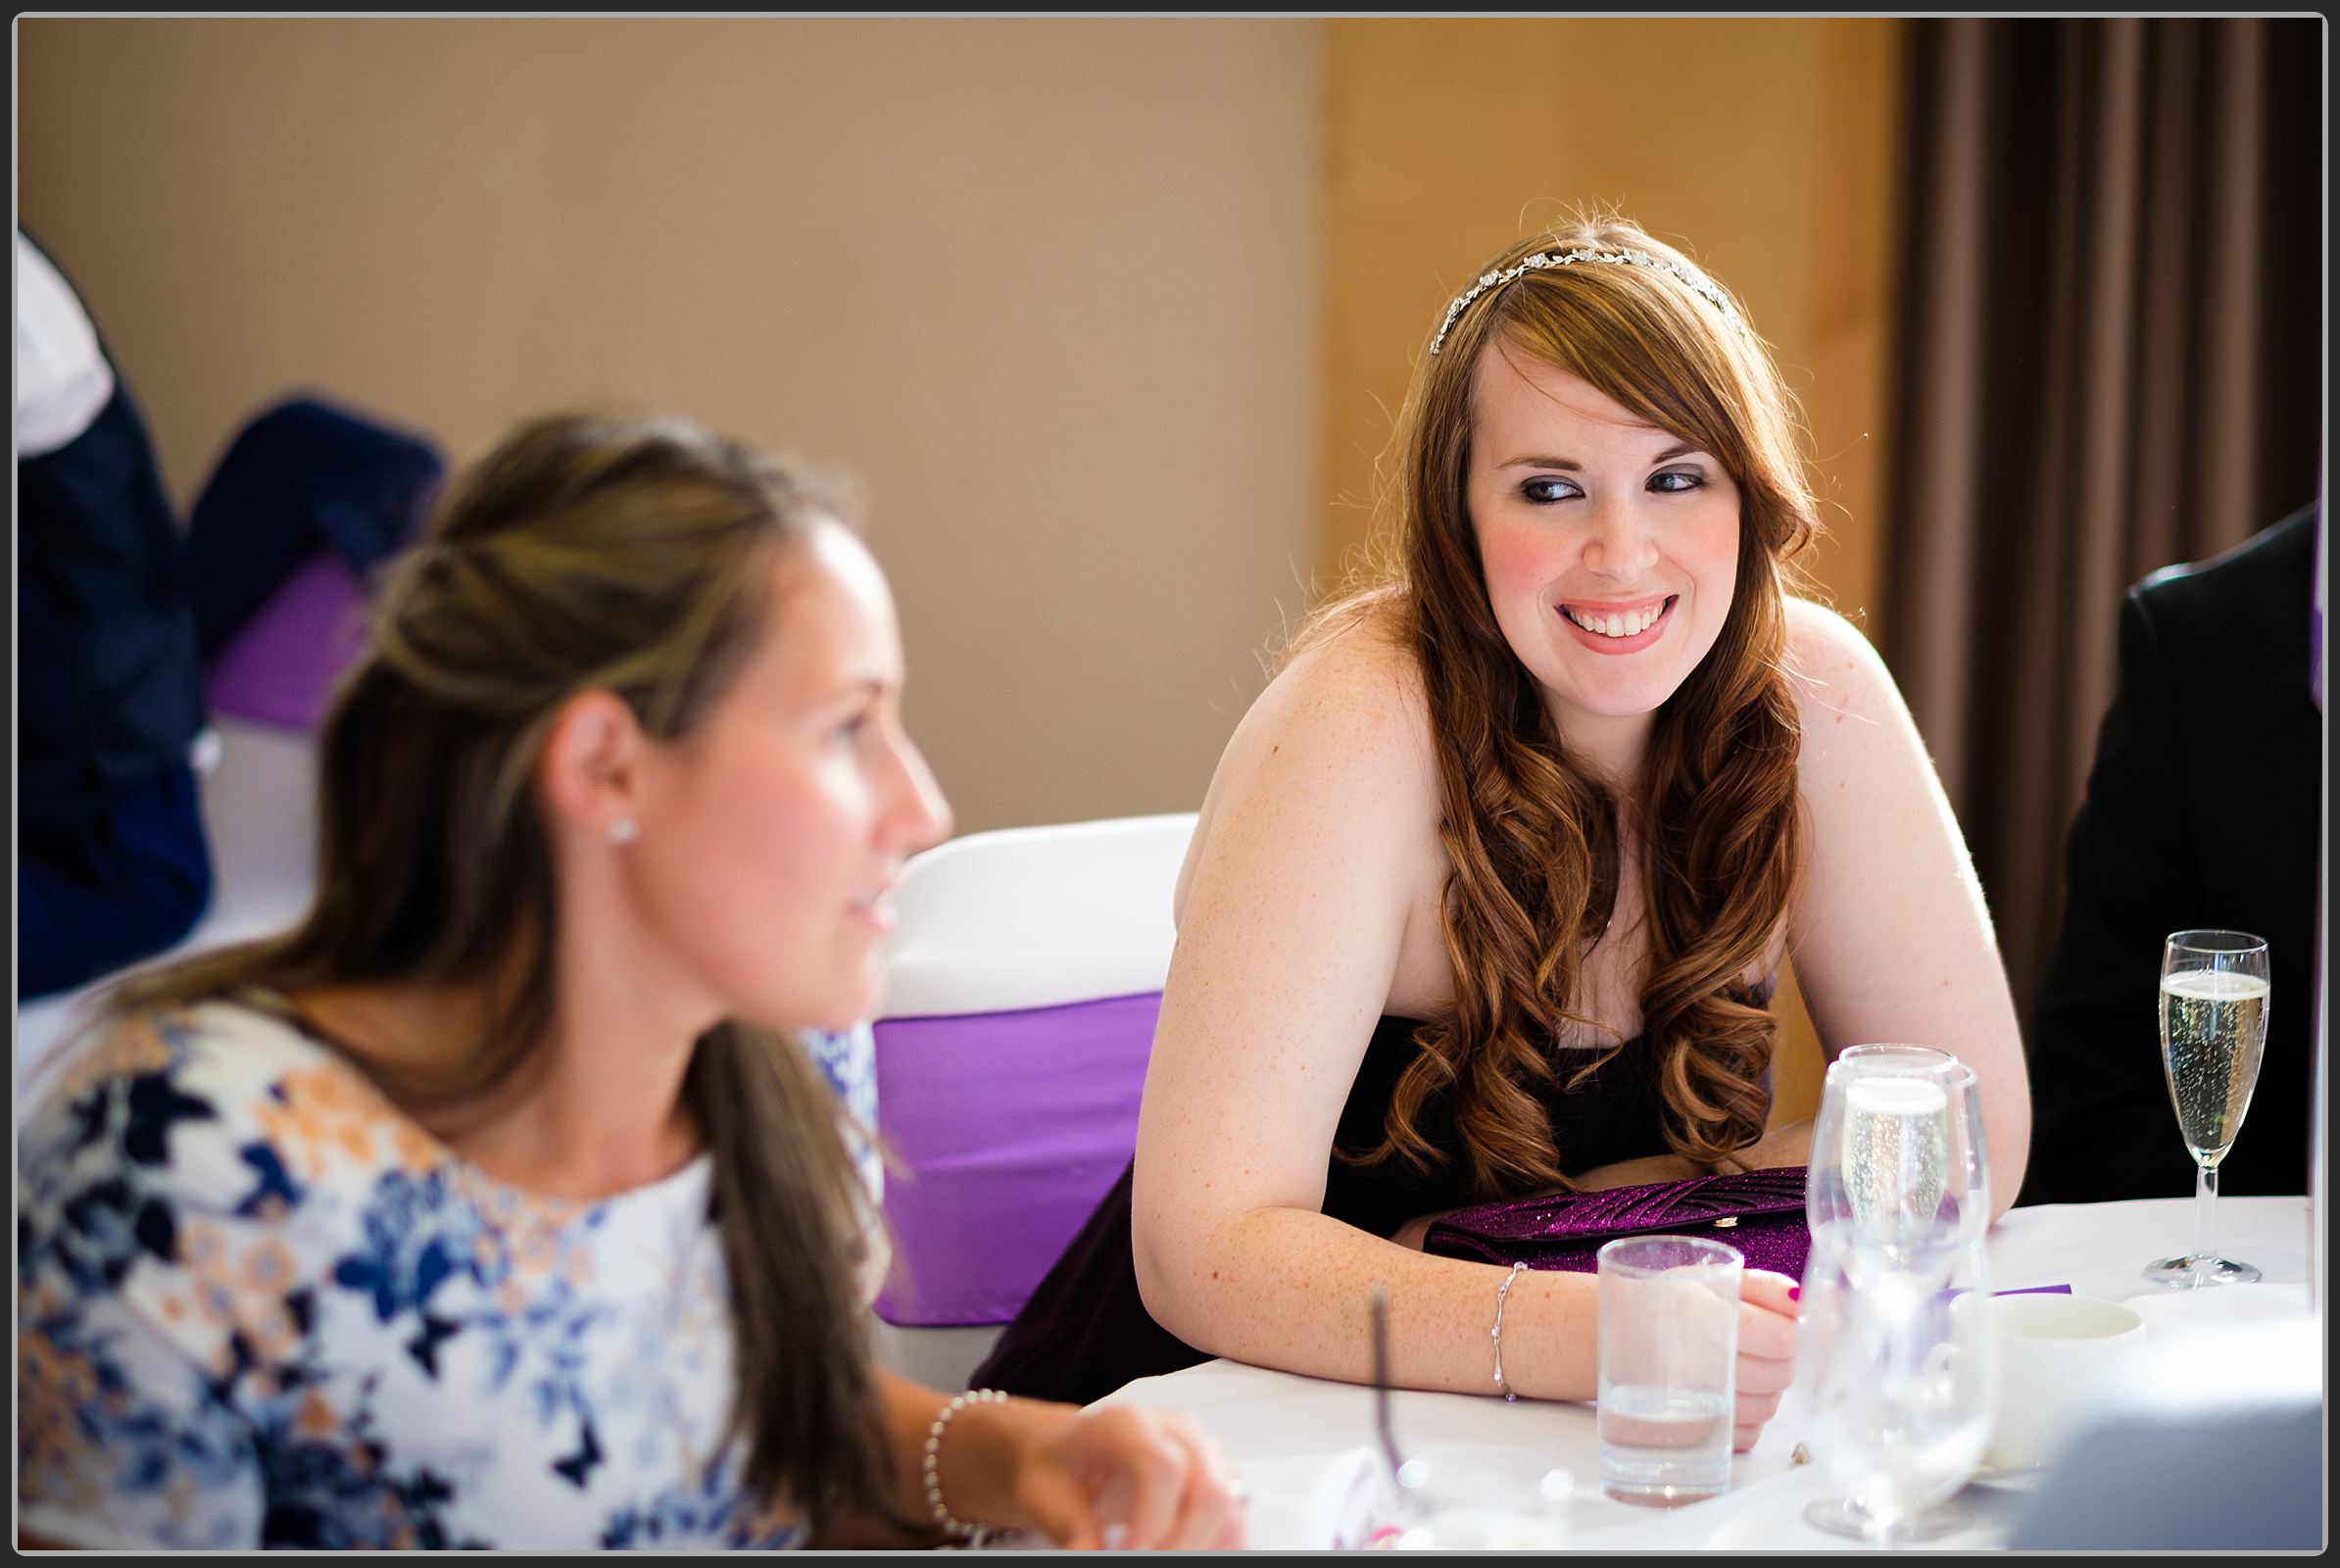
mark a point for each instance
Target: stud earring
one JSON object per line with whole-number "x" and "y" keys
{"x": 624, "y": 830}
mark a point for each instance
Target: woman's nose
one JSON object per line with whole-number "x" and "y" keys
{"x": 1619, "y": 545}
{"x": 921, "y": 816}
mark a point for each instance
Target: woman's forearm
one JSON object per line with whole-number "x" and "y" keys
{"x": 1289, "y": 1288}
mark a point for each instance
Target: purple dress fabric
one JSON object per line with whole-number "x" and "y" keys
{"x": 1008, "y": 1126}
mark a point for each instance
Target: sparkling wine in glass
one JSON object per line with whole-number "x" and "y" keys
{"x": 1896, "y": 1161}
{"x": 1897, "y": 1166}
{"x": 2215, "y": 990}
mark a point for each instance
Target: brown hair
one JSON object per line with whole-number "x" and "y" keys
{"x": 631, "y": 556}
{"x": 1531, "y": 836}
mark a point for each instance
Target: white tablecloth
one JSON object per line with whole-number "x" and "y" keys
{"x": 1299, "y": 1440}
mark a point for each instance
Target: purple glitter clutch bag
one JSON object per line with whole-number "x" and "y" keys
{"x": 1760, "y": 1212}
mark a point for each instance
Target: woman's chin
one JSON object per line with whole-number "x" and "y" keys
{"x": 857, "y": 1000}
{"x": 847, "y": 990}
{"x": 833, "y": 1011}
{"x": 1612, "y": 704}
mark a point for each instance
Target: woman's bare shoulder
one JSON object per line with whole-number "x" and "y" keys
{"x": 1842, "y": 688}
{"x": 1359, "y": 683}
{"x": 1339, "y": 739}
{"x": 1862, "y": 759}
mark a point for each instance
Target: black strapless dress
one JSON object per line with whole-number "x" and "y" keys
{"x": 1085, "y": 1330}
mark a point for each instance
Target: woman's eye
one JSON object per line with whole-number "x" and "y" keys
{"x": 1678, "y": 481}
{"x": 849, "y": 733}
{"x": 1545, "y": 490}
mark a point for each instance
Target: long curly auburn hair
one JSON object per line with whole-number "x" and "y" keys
{"x": 1531, "y": 836}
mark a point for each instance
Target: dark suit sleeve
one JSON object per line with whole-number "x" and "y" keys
{"x": 2102, "y": 1124}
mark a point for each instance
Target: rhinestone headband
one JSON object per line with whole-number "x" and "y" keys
{"x": 1619, "y": 258}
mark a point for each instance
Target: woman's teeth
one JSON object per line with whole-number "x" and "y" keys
{"x": 1628, "y": 625}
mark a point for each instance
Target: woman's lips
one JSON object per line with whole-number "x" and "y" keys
{"x": 874, "y": 910}
{"x": 1602, "y": 643}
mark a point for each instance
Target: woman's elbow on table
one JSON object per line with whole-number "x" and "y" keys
{"x": 1182, "y": 1292}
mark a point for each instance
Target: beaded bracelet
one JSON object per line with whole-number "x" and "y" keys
{"x": 1496, "y": 1333}
{"x": 949, "y": 1524}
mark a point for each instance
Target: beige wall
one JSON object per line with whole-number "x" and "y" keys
{"x": 1764, "y": 148}
{"x": 1110, "y": 313}
{"x": 1049, "y": 287}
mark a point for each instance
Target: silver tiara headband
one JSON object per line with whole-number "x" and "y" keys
{"x": 1617, "y": 258}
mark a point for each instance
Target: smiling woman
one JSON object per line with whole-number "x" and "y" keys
{"x": 1489, "y": 892}
{"x": 494, "y": 1205}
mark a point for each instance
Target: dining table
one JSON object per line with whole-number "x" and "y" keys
{"x": 1308, "y": 1448}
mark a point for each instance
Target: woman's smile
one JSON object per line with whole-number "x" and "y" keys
{"x": 1611, "y": 626}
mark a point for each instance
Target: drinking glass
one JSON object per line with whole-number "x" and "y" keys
{"x": 1668, "y": 1356}
{"x": 1902, "y": 1400}
{"x": 1970, "y": 1154}
{"x": 2214, "y": 988}
{"x": 1898, "y": 1200}
{"x": 1897, "y": 1170}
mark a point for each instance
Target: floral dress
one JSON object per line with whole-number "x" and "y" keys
{"x": 259, "y": 1306}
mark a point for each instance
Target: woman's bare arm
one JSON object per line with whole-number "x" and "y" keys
{"x": 1889, "y": 935}
{"x": 1317, "y": 844}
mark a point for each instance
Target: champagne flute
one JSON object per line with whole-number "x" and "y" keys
{"x": 2214, "y": 988}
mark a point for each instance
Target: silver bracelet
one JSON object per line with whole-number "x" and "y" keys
{"x": 1496, "y": 1333}
{"x": 949, "y": 1524}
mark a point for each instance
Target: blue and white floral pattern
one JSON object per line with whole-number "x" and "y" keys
{"x": 848, "y": 1061}
{"x": 258, "y": 1306}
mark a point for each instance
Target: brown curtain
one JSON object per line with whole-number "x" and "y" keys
{"x": 2110, "y": 342}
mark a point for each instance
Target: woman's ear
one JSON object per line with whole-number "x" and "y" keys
{"x": 589, "y": 776}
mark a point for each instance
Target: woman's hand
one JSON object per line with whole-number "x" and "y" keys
{"x": 1149, "y": 1477}
{"x": 1767, "y": 1328}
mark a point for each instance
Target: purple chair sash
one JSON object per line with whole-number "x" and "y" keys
{"x": 1009, "y": 1128}
{"x": 280, "y": 666}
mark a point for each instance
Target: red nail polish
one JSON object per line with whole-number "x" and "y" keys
{"x": 1795, "y": 1292}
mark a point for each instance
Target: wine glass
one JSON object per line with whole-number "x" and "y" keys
{"x": 1898, "y": 1200}
{"x": 2214, "y": 988}
{"x": 1897, "y": 1164}
{"x": 1901, "y": 1402}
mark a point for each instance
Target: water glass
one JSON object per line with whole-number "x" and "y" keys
{"x": 1669, "y": 1354}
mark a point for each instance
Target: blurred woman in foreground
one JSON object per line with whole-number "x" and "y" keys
{"x": 493, "y": 1205}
